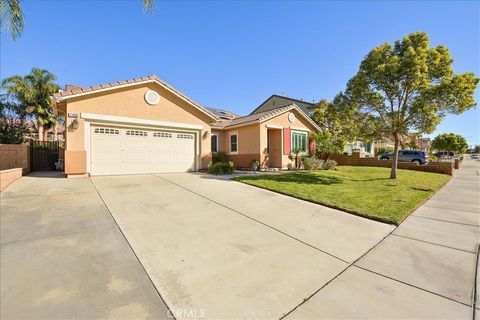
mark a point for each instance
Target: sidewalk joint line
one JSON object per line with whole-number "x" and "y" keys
{"x": 352, "y": 264}
{"x": 455, "y": 209}
{"x": 411, "y": 285}
{"x": 442, "y": 220}
{"x": 432, "y": 243}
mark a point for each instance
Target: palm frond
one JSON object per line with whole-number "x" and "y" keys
{"x": 11, "y": 17}
{"x": 148, "y": 6}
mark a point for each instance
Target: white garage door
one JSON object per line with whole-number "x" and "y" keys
{"x": 129, "y": 151}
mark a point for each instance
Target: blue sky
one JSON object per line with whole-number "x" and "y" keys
{"x": 234, "y": 55}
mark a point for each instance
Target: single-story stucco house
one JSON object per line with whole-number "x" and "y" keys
{"x": 144, "y": 125}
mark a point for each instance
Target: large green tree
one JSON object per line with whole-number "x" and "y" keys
{"x": 339, "y": 124}
{"x": 450, "y": 142}
{"x": 11, "y": 15}
{"x": 408, "y": 86}
{"x": 34, "y": 91}
{"x": 335, "y": 130}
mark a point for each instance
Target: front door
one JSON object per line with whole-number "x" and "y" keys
{"x": 274, "y": 140}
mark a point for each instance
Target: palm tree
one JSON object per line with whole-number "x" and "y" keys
{"x": 35, "y": 91}
{"x": 11, "y": 15}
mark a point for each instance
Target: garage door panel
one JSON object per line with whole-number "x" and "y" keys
{"x": 107, "y": 157}
{"x": 136, "y": 156}
{"x": 136, "y": 151}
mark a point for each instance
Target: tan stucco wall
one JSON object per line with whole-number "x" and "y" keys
{"x": 222, "y": 143}
{"x": 130, "y": 102}
{"x": 76, "y": 161}
{"x": 252, "y": 140}
{"x": 282, "y": 121}
{"x": 248, "y": 145}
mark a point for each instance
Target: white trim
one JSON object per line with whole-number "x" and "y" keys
{"x": 291, "y": 140}
{"x": 216, "y": 135}
{"x": 87, "y": 138}
{"x": 135, "y": 84}
{"x": 230, "y": 134}
{"x": 300, "y": 129}
{"x": 156, "y": 123}
{"x": 271, "y": 126}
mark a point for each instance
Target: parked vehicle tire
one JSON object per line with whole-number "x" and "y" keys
{"x": 383, "y": 158}
{"x": 418, "y": 162}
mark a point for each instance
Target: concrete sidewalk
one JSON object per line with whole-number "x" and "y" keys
{"x": 424, "y": 269}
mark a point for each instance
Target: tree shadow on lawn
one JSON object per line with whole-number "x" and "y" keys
{"x": 300, "y": 178}
{"x": 372, "y": 179}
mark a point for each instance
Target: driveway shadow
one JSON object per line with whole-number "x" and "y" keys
{"x": 47, "y": 174}
{"x": 300, "y": 178}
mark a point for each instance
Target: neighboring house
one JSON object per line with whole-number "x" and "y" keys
{"x": 364, "y": 148}
{"x": 276, "y": 101}
{"x": 425, "y": 144}
{"x": 144, "y": 125}
{"x": 367, "y": 149}
{"x": 54, "y": 134}
{"x": 418, "y": 143}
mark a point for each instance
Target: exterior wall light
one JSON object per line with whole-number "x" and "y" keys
{"x": 74, "y": 124}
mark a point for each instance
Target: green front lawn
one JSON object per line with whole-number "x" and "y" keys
{"x": 365, "y": 191}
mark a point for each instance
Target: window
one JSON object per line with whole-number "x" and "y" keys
{"x": 368, "y": 147}
{"x": 184, "y": 136}
{"x": 107, "y": 131}
{"x": 214, "y": 142}
{"x": 136, "y": 133}
{"x": 162, "y": 134}
{"x": 299, "y": 141}
{"x": 233, "y": 142}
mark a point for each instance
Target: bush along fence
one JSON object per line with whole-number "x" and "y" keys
{"x": 357, "y": 160}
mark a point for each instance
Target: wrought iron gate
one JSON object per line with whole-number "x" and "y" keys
{"x": 43, "y": 155}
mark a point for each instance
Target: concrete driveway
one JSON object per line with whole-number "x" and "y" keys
{"x": 64, "y": 257}
{"x": 122, "y": 246}
{"x": 222, "y": 249}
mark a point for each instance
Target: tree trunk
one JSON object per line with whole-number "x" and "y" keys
{"x": 393, "y": 173}
{"x": 40, "y": 133}
{"x": 45, "y": 133}
{"x": 328, "y": 156}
